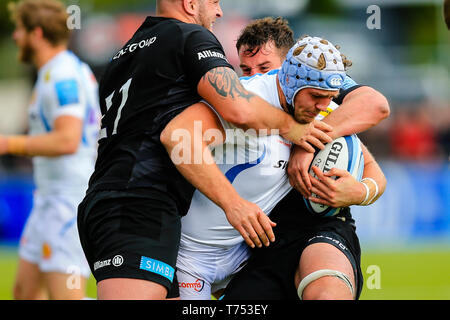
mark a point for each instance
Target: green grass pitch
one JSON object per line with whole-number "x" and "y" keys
{"x": 406, "y": 275}
{"x": 8, "y": 264}
{"x": 422, "y": 274}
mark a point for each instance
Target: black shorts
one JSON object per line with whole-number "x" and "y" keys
{"x": 270, "y": 271}
{"x": 131, "y": 235}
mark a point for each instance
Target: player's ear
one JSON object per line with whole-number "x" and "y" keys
{"x": 37, "y": 33}
{"x": 190, "y": 6}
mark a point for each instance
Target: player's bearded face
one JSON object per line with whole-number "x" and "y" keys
{"x": 208, "y": 12}
{"x": 310, "y": 102}
{"x": 26, "y": 52}
{"x": 23, "y": 42}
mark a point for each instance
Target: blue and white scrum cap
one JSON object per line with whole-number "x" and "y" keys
{"x": 312, "y": 62}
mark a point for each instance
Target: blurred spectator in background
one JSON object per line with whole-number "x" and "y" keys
{"x": 413, "y": 137}
{"x": 444, "y": 134}
{"x": 64, "y": 123}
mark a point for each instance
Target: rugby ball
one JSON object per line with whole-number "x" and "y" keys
{"x": 343, "y": 153}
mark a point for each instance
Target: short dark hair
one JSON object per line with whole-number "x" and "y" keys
{"x": 261, "y": 31}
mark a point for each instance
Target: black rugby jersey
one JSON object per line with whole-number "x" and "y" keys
{"x": 148, "y": 82}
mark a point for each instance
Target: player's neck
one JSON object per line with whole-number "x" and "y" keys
{"x": 47, "y": 53}
{"x": 171, "y": 11}
{"x": 281, "y": 97}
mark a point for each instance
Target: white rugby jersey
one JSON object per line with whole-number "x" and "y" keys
{"x": 65, "y": 86}
{"x": 257, "y": 171}
{"x": 255, "y": 167}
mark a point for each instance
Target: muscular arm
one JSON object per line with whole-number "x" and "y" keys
{"x": 246, "y": 217}
{"x": 373, "y": 170}
{"x": 361, "y": 110}
{"x": 64, "y": 139}
{"x": 222, "y": 89}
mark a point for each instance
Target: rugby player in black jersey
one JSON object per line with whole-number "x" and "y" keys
{"x": 129, "y": 221}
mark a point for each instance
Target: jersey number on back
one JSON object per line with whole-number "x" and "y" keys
{"x": 109, "y": 103}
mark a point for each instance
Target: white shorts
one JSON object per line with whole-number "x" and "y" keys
{"x": 203, "y": 270}
{"x": 50, "y": 237}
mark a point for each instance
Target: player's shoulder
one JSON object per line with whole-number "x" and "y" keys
{"x": 175, "y": 28}
{"x": 63, "y": 80}
{"x": 349, "y": 83}
{"x": 191, "y": 27}
{"x": 192, "y": 31}
{"x": 348, "y": 86}
{"x": 261, "y": 83}
{"x": 260, "y": 77}
{"x": 66, "y": 66}
{"x": 168, "y": 24}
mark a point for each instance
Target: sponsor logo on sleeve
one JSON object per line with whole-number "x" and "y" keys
{"x": 117, "y": 261}
{"x": 157, "y": 267}
{"x": 205, "y": 54}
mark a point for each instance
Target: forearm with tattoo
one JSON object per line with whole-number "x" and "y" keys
{"x": 226, "y": 83}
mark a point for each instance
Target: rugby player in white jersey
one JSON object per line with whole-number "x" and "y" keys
{"x": 262, "y": 46}
{"x": 63, "y": 127}
{"x": 211, "y": 250}
{"x": 309, "y": 243}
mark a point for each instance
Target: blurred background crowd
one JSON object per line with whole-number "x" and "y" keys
{"x": 407, "y": 59}
{"x": 399, "y": 47}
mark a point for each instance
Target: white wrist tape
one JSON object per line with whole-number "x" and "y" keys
{"x": 376, "y": 190}
{"x": 363, "y": 203}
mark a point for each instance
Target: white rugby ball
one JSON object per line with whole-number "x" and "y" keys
{"x": 344, "y": 153}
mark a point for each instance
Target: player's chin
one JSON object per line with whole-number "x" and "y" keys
{"x": 305, "y": 119}
{"x": 25, "y": 54}
{"x": 22, "y": 57}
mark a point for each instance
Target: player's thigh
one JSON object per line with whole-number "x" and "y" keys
{"x": 132, "y": 238}
{"x": 324, "y": 256}
{"x": 29, "y": 282}
{"x": 62, "y": 252}
{"x": 62, "y": 286}
{"x": 130, "y": 289}
{"x": 268, "y": 275}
